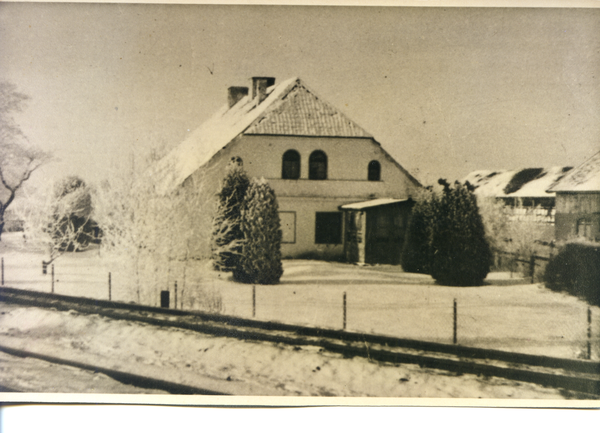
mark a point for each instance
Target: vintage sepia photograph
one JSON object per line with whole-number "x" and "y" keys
{"x": 299, "y": 204}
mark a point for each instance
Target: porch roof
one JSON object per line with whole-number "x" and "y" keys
{"x": 371, "y": 203}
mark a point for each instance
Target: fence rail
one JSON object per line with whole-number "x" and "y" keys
{"x": 427, "y": 313}
{"x": 531, "y": 267}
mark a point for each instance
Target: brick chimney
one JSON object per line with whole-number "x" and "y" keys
{"x": 234, "y": 94}
{"x": 259, "y": 87}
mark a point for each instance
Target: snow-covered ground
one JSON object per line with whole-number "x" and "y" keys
{"x": 506, "y": 314}
{"x": 220, "y": 364}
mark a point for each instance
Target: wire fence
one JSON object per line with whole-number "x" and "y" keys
{"x": 531, "y": 267}
{"x": 518, "y": 318}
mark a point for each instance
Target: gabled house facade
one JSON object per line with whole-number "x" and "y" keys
{"x": 578, "y": 202}
{"x": 315, "y": 158}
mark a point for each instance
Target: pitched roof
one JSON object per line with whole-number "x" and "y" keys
{"x": 290, "y": 108}
{"x": 586, "y": 177}
{"x": 301, "y": 112}
{"x": 516, "y": 183}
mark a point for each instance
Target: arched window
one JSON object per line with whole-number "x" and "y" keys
{"x": 290, "y": 168}
{"x": 317, "y": 165}
{"x": 374, "y": 170}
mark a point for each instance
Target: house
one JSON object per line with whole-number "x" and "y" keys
{"x": 578, "y": 202}
{"x": 523, "y": 192}
{"x": 316, "y": 159}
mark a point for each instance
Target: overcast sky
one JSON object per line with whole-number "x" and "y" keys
{"x": 444, "y": 90}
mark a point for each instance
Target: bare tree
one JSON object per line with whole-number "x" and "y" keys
{"x": 18, "y": 160}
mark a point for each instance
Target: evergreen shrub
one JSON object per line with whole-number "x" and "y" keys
{"x": 417, "y": 253}
{"x": 576, "y": 270}
{"x": 461, "y": 252}
{"x": 227, "y": 233}
{"x": 260, "y": 261}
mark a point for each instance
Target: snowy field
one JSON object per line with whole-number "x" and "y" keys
{"x": 505, "y": 314}
{"x": 221, "y": 364}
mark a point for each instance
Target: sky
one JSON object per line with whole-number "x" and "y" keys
{"x": 444, "y": 90}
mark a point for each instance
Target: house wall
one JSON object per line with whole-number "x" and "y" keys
{"x": 571, "y": 208}
{"x": 346, "y": 182}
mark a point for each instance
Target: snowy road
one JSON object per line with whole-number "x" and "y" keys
{"x": 221, "y": 364}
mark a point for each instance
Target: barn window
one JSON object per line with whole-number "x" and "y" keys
{"x": 328, "y": 228}
{"x": 584, "y": 228}
{"x": 290, "y": 168}
{"x": 317, "y": 165}
{"x": 374, "y": 170}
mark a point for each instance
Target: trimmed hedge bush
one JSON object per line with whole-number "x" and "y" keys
{"x": 446, "y": 238}
{"x": 576, "y": 270}
{"x": 461, "y": 253}
{"x": 227, "y": 232}
{"x": 260, "y": 262}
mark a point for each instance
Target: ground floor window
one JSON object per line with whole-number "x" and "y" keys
{"x": 328, "y": 228}
{"x": 584, "y": 228}
{"x": 288, "y": 227}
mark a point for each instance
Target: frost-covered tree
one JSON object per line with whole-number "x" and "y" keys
{"x": 260, "y": 261}
{"x": 57, "y": 217}
{"x": 153, "y": 238}
{"x": 227, "y": 233}
{"x": 18, "y": 160}
{"x": 461, "y": 253}
{"x": 71, "y": 227}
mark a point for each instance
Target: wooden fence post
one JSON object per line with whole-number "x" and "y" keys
{"x": 589, "y": 333}
{"x": 532, "y": 268}
{"x": 175, "y": 303}
{"x": 253, "y": 301}
{"x": 2, "y": 270}
{"x": 109, "y": 287}
{"x": 344, "y": 311}
{"x": 455, "y": 337}
{"x": 52, "y": 277}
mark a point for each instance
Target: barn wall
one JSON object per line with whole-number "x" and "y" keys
{"x": 571, "y": 208}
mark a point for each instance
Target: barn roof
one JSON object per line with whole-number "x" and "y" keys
{"x": 290, "y": 108}
{"x": 528, "y": 182}
{"x": 586, "y": 177}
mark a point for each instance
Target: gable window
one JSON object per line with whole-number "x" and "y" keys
{"x": 290, "y": 167}
{"x": 317, "y": 165}
{"x": 328, "y": 228}
{"x": 374, "y": 170}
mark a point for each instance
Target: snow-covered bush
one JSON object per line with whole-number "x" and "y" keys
{"x": 260, "y": 261}
{"x": 576, "y": 270}
{"x": 461, "y": 253}
{"x": 227, "y": 232}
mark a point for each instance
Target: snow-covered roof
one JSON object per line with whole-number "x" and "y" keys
{"x": 290, "y": 108}
{"x": 586, "y": 177}
{"x": 371, "y": 203}
{"x": 516, "y": 183}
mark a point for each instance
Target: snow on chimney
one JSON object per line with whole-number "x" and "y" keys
{"x": 234, "y": 94}
{"x": 259, "y": 87}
